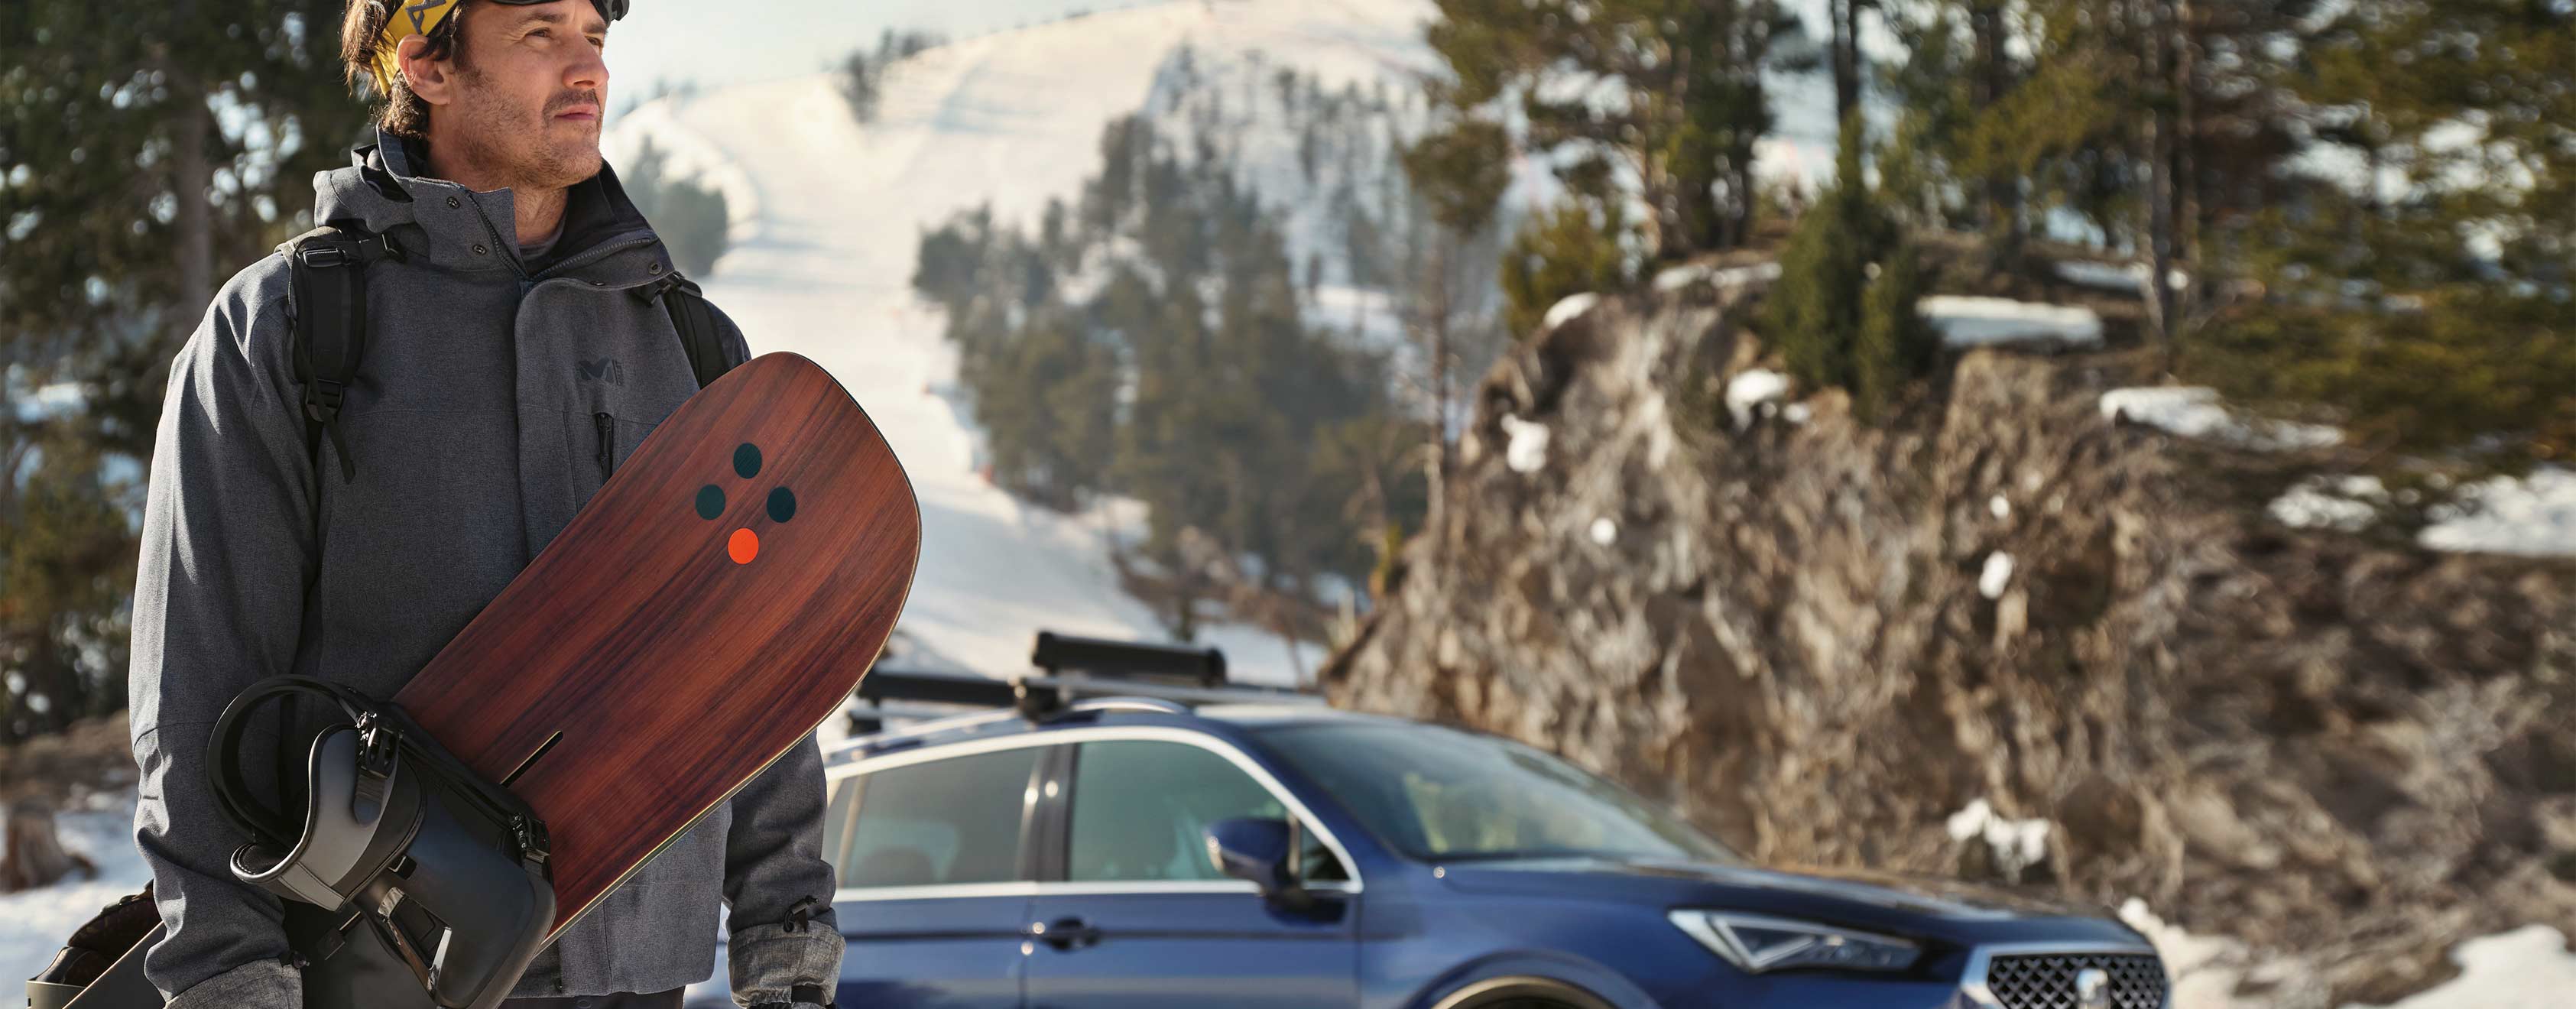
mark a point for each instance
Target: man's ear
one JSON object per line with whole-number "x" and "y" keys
{"x": 433, "y": 80}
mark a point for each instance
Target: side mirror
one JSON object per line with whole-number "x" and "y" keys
{"x": 1258, "y": 850}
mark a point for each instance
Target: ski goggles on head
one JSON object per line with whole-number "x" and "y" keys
{"x": 421, "y": 17}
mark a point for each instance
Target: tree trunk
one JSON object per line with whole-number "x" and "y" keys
{"x": 1993, "y": 79}
{"x": 192, "y": 182}
{"x": 35, "y": 855}
{"x": 2186, "y": 80}
{"x": 1846, "y": 56}
{"x": 2161, "y": 154}
{"x": 1438, "y": 366}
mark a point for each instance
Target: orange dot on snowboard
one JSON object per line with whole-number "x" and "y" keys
{"x": 744, "y": 546}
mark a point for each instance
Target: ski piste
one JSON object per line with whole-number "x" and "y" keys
{"x": 717, "y": 600}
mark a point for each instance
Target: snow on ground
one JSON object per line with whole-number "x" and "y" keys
{"x": 2196, "y": 412}
{"x": 2527, "y": 968}
{"x": 34, "y": 924}
{"x": 2126, "y": 278}
{"x": 2348, "y": 504}
{"x": 1675, "y": 278}
{"x": 1968, "y": 321}
{"x": 2532, "y": 515}
{"x": 824, "y": 269}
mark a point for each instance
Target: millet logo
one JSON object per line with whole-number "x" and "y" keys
{"x": 605, "y": 369}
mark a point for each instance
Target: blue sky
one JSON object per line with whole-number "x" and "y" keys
{"x": 740, "y": 40}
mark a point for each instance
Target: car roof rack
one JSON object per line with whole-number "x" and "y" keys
{"x": 1075, "y": 674}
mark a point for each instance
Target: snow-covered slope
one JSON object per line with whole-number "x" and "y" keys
{"x": 829, "y": 214}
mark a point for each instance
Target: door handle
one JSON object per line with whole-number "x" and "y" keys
{"x": 1065, "y": 933}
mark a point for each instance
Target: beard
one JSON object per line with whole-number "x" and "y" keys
{"x": 527, "y": 150}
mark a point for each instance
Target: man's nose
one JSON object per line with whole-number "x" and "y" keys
{"x": 588, "y": 72}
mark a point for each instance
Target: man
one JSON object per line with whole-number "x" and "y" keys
{"x": 514, "y": 353}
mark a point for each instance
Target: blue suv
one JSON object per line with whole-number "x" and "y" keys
{"x": 1141, "y": 854}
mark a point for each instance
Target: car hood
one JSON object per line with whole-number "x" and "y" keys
{"x": 1906, "y": 904}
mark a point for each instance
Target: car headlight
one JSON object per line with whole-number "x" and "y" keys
{"x": 1757, "y": 943}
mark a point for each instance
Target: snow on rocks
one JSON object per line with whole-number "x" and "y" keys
{"x": 2527, "y": 968}
{"x": 2205, "y": 969}
{"x": 2126, "y": 278}
{"x": 1998, "y": 507}
{"x": 1604, "y": 531}
{"x": 1750, "y": 389}
{"x": 1969, "y": 322}
{"x": 1527, "y": 450}
{"x": 1564, "y": 311}
{"x": 1996, "y": 576}
{"x": 2533, "y": 515}
{"x": 2347, "y": 504}
{"x": 2196, "y": 412}
{"x": 2017, "y": 844}
{"x": 1678, "y": 277}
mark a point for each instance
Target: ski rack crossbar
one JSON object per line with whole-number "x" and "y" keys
{"x": 1076, "y": 674}
{"x": 899, "y": 693}
{"x": 1059, "y": 654}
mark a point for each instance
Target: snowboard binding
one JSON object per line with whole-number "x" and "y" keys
{"x": 410, "y": 881}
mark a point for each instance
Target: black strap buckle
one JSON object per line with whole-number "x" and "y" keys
{"x": 322, "y": 398}
{"x": 324, "y": 254}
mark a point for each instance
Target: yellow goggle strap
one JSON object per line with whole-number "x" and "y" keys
{"x": 409, "y": 18}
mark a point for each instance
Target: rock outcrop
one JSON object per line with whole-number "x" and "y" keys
{"x": 1821, "y": 639}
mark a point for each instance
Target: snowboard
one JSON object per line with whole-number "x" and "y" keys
{"x": 715, "y": 602}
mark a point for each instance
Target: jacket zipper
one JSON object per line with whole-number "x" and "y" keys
{"x": 607, "y": 444}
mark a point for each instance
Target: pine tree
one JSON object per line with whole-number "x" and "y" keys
{"x": 1691, "y": 75}
{"x": 1843, "y": 311}
{"x": 1460, "y": 172}
{"x": 146, "y": 151}
{"x": 2422, "y": 299}
{"x": 1572, "y": 249}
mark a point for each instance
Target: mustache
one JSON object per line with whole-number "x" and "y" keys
{"x": 569, "y": 99}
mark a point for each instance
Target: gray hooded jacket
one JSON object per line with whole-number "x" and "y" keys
{"x": 490, "y": 403}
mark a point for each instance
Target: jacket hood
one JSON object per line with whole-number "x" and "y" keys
{"x": 605, "y": 240}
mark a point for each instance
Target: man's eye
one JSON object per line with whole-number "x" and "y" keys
{"x": 542, "y": 33}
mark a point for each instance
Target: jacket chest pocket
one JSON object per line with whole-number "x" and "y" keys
{"x": 615, "y": 439}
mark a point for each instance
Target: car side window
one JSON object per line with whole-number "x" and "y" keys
{"x": 942, "y": 822}
{"x": 836, "y": 818}
{"x": 1140, "y": 808}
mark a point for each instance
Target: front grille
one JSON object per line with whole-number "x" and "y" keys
{"x": 2047, "y": 980}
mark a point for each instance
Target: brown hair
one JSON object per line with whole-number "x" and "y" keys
{"x": 362, "y": 29}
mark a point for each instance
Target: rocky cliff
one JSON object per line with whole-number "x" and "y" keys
{"x": 1822, "y": 639}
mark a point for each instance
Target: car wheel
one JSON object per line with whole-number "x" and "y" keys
{"x": 1521, "y": 993}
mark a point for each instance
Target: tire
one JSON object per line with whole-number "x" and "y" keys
{"x": 1521, "y": 993}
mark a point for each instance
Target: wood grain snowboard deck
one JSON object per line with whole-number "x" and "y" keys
{"x": 709, "y": 607}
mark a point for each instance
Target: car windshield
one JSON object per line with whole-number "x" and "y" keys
{"x": 1440, "y": 794}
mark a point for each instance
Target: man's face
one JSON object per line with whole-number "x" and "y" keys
{"x": 525, "y": 103}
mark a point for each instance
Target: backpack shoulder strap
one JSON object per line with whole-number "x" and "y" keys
{"x": 696, "y": 321}
{"x": 328, "y": 266}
